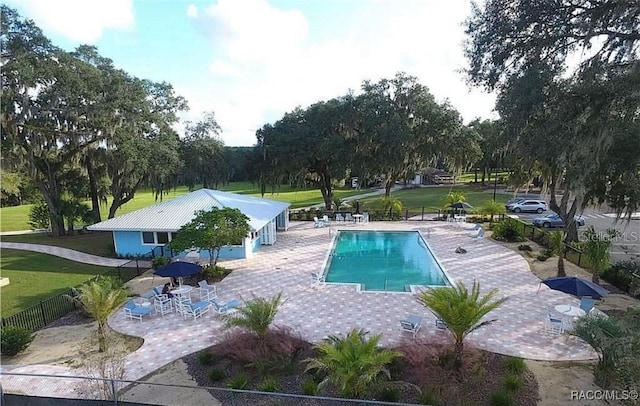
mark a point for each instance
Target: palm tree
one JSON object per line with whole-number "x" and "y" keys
{"x": 596, "y": 248}
{"x": 353, "y": 363}
{"x": 460, "y": 310}
{"x": 491, "y": 207}
{"x": 391, "y": 204}
{"x": 556, "y": 243}
{"x": 256, "y": 315}
{"x": 100, "y": 298}
{"x": 455, "y": 197}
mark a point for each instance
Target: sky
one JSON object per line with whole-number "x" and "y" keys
{"x": 251, "y": 61}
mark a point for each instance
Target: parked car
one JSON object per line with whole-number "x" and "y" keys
{"x": 554, "y": 220}
{"x": 528, "y": 205}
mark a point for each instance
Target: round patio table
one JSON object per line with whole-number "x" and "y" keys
{"x": 182, "y": 291}
{"x": 571, "y": 311}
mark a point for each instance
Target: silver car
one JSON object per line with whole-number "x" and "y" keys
{"x": 528, "y": 205}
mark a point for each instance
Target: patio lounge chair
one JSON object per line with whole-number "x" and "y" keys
{"x": 349, "y": 218}
{"x": 411, "y": 324}
{"x": 440, "y": 324}
{"x": 317, "y": 278}
{"x": 365, "y": 217}
{"x": 339, "y": 218}
{"x": 134, "y": 311}
{"x": 586, "y": 304}
{"x": 206, "y": 291}
{"x": 317, "y": 223}
{"x": 479, "y": 235}
{"x": 475, "y": 227}
{"x": 195, "y": 309}
{"x": 225, "y": 308}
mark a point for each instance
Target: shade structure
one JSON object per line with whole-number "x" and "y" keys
{"x": 576, "y": 286}
{"x": 461, "y": 205}
{"x": 179, "y": 269}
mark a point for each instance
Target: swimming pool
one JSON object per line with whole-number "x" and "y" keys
{"x": 383, "y": 261}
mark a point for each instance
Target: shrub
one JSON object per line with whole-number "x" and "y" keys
{"x": 621, "y": 275}
{"x": 542, "y": 257}
{"x": 515, "y": 365}
{"x": 501, "y": 398}
{"x": 239, "y": 381}
{"x": 428, "y": 397}
{"x": 508, "y": 231}
{"x": 216, "y": 375}
{"x": 205, "y": 358}
{"x": 269, "y": 384}
{"x": 159, "y": 262}
{"x": 512, "y": 382}
{"x": 14, "y": 339}
{"x": 310, "y": 387}
{"x": 524, "y": 247}
{"x": 216, "y": 272}
{"x": 39, "y": 215}
{"x": 389, "y": 394}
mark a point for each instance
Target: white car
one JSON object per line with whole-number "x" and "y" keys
{"x": 528, "y": 205}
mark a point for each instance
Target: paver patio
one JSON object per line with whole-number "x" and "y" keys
{"x": 315, "y": 312}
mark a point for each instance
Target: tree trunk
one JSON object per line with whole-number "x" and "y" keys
{"x": 388, "y": 185}
{"x": 458, "y": 353}
{"x": 475, "y": 175}
{"x": 324, "y": 184}
{"x": 595, "y": 276}
{"x": 93, "y": 190}
{"x": 102, "y": 342}
{"x": 561, "y": 271}
{"x": 484, "y": 174}
{"x": 51, "y": 195}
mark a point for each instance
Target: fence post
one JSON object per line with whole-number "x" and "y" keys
{"x": 422, "y": 219}
{"x": 44, "y": 319}
{"x": 137, "y": 267}
{"x": 119, "y": 274}
{"x": 113, "y": 391}
{"x": 406, "y": 214}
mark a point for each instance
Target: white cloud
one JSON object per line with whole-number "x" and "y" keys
{"x": 80, "y": 20}
{"x": 265, "y": 62}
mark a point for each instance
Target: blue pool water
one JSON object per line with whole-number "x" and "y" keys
{"x": 382, "y": 260}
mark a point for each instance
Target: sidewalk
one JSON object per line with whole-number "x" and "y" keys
{"x": 71, "y": 255}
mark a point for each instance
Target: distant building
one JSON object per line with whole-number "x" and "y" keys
{"x": 151, "y": 228}
{"x": 437, "y": 176}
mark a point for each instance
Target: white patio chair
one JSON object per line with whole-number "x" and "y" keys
{"x": 206, "y": 291}
{"x": 349, "y": 218}
{"x": 195, "y": 309}
{"x": 411, "y": 324}
{"x": 317, "y": 223}
{"x": 162, "y": 304}
{"x": 339, "y": 218}
{"x": 326, "y": 220}
{"x": 553, "y": 324}
{"x": 225, "y": 308}
{"x": 317, "y": 278}
{"x": 365, "y": 217}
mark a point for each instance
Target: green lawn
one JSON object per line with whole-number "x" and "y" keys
{"x": 470, "y": 176}
{"x": 17, "y": 218}
{"x": 432, "y": 198}
{"x": 97, "y": 243}
{"x": 35, "y": 277}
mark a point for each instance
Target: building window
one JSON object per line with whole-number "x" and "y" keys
{"x": 163, "y": 238}
{"x": 148, "y": 237}
{"x": 173, "y": 236}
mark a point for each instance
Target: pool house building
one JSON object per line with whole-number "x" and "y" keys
{"x": 148, "y": 230}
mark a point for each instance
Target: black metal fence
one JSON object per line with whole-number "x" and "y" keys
{"x": 54, "y": 307}
{"x": 418, "y": 214}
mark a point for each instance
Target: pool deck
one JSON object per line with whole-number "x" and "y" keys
{"x": 315, "y": 311}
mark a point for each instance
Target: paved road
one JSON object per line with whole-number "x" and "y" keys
{"x": 625, "y": 246}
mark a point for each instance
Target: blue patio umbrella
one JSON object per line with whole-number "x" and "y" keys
{"x": 576, "y": 286}
{"x": 179, "y": 270}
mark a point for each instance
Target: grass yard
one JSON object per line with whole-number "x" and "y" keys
{"x": 432, "y": 198}
{"x": 17, "y": 217}
{"x": 96, "y": 243}
{"x": 34, "y": 277}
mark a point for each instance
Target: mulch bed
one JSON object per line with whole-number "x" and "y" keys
{"x": 425, "y": 367}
